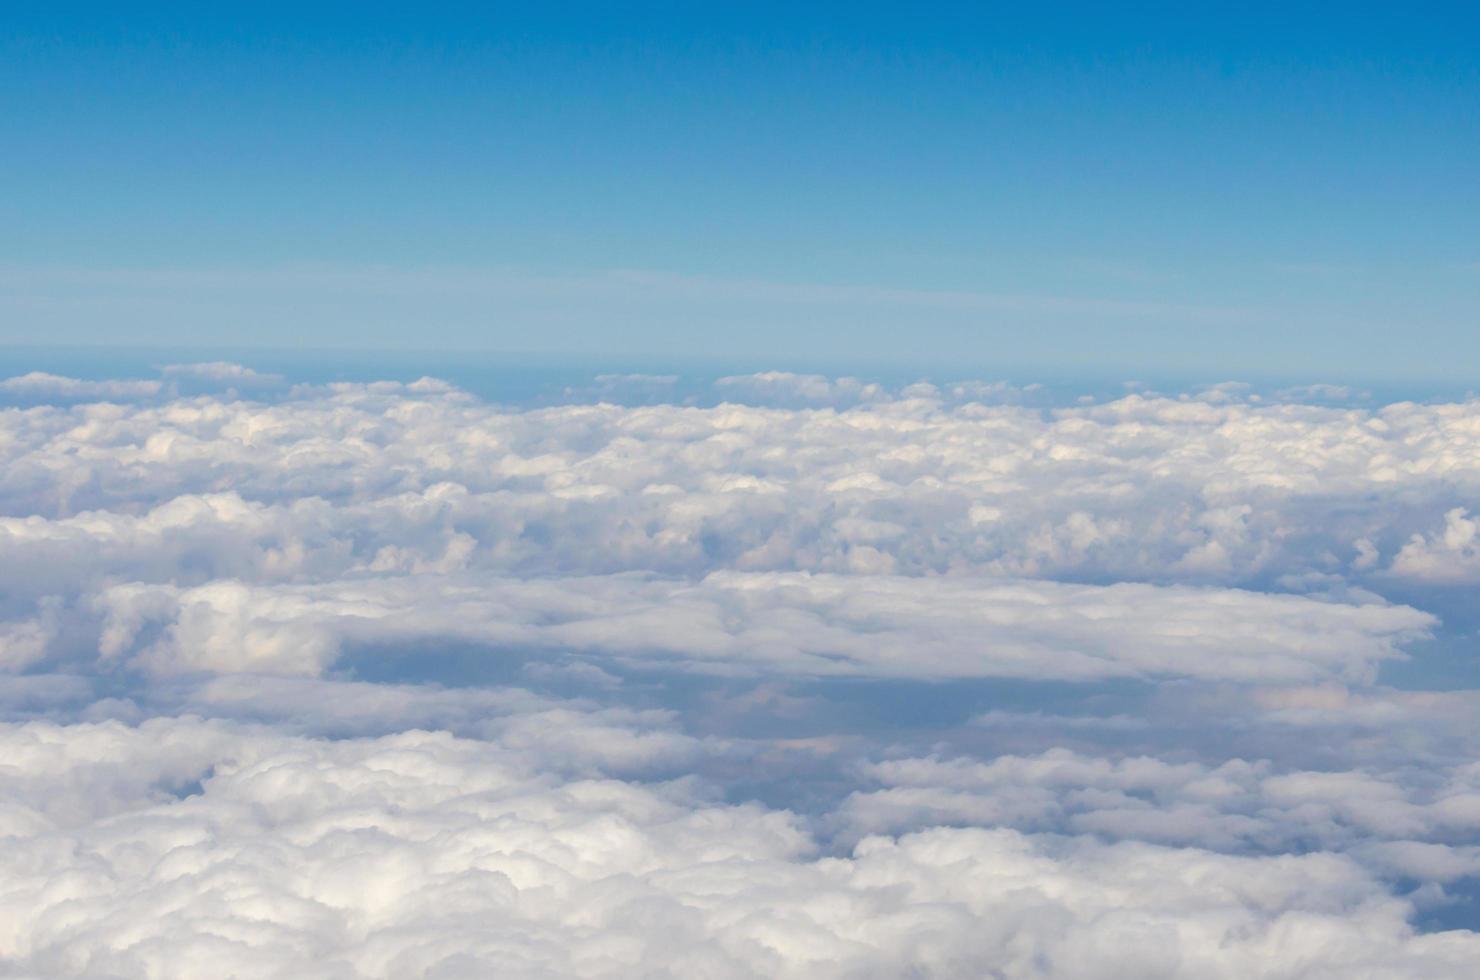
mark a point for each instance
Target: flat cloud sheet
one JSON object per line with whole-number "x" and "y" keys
{"x": 811, "y": 677}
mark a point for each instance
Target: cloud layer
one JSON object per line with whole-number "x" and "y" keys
{"x": 184, "y": 847}
{"x": 797, "y": 676}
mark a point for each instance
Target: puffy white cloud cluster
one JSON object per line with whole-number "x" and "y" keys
{"x": 1233, "y": 805}
{"x": 189, "y": 848}
{"x": 802, "y": 677}
{"x": 1451, "y": 555}
{"x": 1146, "y": 488}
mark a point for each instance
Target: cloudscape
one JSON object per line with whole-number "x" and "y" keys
{"x": 386, "y": 679}
{"x": 699, "y": 491}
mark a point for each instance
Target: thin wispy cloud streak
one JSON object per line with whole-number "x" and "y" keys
{"x": 460, "y": 305}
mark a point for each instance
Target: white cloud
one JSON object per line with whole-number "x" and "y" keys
{"x": 1236, "y": 805}
{"x": 402, "y": 683}
{"x": 423, "y": 855}
{"x": 1141, "y": 488}
{"x": 38, "y": 385}
{"x": 222, "y": 372}
{"x": 785, "y": 388}
{"x": 797, "y": 624}
{"x": 25, "y": 642}
{"x": 1452, "y": 555}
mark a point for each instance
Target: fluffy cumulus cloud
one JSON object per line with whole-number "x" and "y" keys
{"x": 1450, "y": 555}
{"x": 1150, "y": 489}
{"x": 766, "y": 676}
{"x": 1233, "y": 805}
{"x": 185, "y": 847}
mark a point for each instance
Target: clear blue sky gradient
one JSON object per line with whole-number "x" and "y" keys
{"x": 1215, "y": 190}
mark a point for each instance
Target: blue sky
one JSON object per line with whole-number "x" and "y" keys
{"x": 1228, "y": 191}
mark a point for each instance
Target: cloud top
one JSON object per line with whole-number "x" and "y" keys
{"x": 791, "y": 676}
